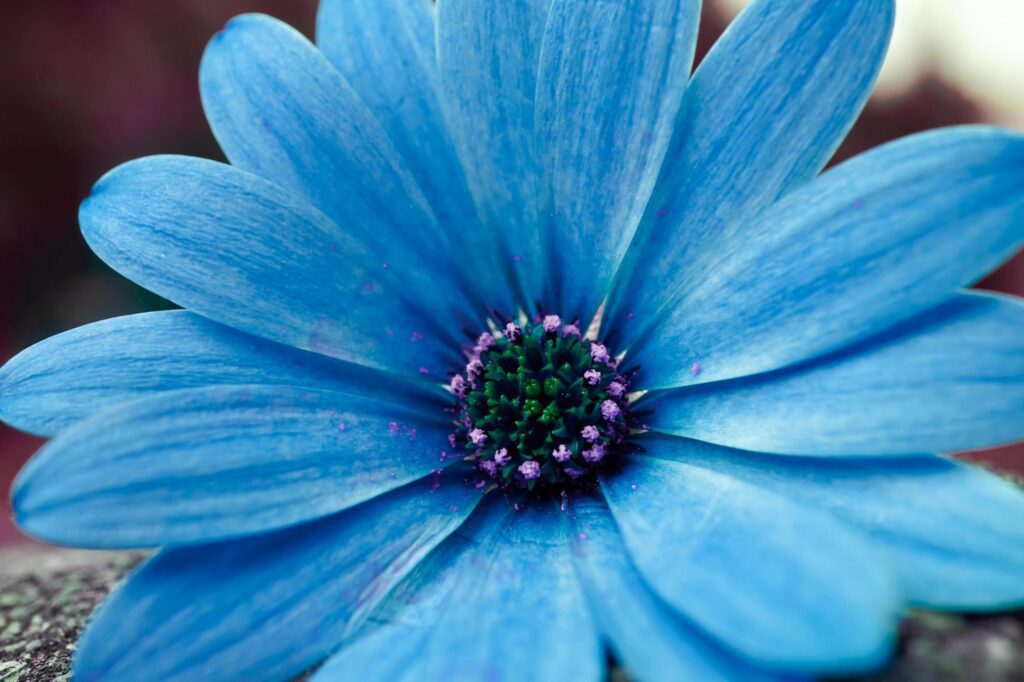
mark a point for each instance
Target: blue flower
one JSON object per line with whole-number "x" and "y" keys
{"x": 379, "y": 433}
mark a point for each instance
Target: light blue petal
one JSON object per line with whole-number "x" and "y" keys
{"x": 270, "y": 606}
{"x": 649, "y": 639}
{"x": 765, "y": 111}
{"x": 498, "y": 601}
{"x": 386, "y": 50}
{"x": 488, "y": 55}
{"x": 950, "y": 380}
{"x": 240, "y": 250}
{"x": 281, "y": 111}
{"x": 871, "y": 243}
{"x": 204, "y": 464}
{"x": 768, "y": 578}
{"x": 66, "y": 378}
{"x": 611, "y": 80}
{"x": 953, "y": 534}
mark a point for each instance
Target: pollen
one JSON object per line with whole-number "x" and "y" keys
{"x": 540, "y": 408}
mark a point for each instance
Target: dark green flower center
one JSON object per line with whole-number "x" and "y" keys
{"x": 540, "y": 408}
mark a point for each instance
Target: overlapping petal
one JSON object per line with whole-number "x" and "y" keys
{"x": 611, "y": 80}
{"x": 204, "y": 464}
{"x": 649, "y": 640}
{"x": 242, "y": 251}
{"x": 763, "y": 113}
{"x": 769, "y": 578}
{"x": 869, "y": 244}
{"x": 270, "y": 606}
{"x": 488, "y": 57}
{"x": 952, "y": 533}
{"x": 386, "y": 50}
{"x": 281, "y": 111}
{"x": 952, "y": 379}
{"x": 498, "y": 601}
{"x": 68, "y": 377}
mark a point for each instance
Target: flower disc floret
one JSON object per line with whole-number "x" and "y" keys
{"x": 539, "y": 406}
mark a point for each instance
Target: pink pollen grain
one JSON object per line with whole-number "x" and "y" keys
{"x": 695, "y": 369}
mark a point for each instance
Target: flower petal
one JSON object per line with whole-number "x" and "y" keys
{"x": 270, "y": 606}
{"x": 951, "y": 532}
{"x": 611, "y": 81}
{"x": 764, "y": 112}
{"x": 488, "y": 55}
{"x": 950, "y": 380}
{"x": 66, "y": 378}
{"x": 770, "y": 579}
{"x": 203, "y": 464}
{"x": 499, "y": 602}
{"x": 871, "y": 243}
{"x": 386, "y": 50}
{"x": 648, "y": 638}
{"x": 244, "y": 252}
{"x": 281, "y": 111}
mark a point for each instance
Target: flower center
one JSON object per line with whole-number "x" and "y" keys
{"x": 540, "y": 408}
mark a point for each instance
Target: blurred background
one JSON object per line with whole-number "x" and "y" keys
{"x": 88, "y": 84}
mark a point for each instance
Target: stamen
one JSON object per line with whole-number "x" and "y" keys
{"x": 551, "y": 323}
{"x": 530, "y": 470}
{"x": 539, "y": 407}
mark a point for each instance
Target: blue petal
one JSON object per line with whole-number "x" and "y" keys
{"x": 73, "y": 375}
{"x": 244, "y": 252}
{"x": 650, "y": 641}
{"x": 763, "y": 114}
{"x": 500, "y": 602}
{"x": 386, "y": 50}
{"x": 209, "y": 463}
{"x": 488, "y": 55}
{"x": 611, "y": 81}
{"x": 281, "y": 111}
{"x": 952, "y": 533}
{"x": 266, "y": 607}
{"x": 871, "y": 243}
{"x": 768, "y": 578}
{"x": 950, "y": 380}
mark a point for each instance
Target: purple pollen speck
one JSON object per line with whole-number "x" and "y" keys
{"x": 598, "y": 353}
{"x": 530, "y": 470}
{"x": 573, "y": 473}
{"x": 485, "y": 342}
{"x": 551, "y": 323}
{"x": 393, "y": 428}
{"x": 695, "y": 369}
{"x": 592, "y": 376}
{"x": 513, "y": 332}
{"x": 610, "y": 410}
{"x": 571, "y": 330}
{"x": 616, "y": 389}
{"x": 475, "y": 368}
{"x": 502, "y": 457}
{"x": 590, "y": 433}
{"x": 561, "y": 453}
{"x": 595, "y": 454}
{"x": 458, "y": 386}
{"x": 479, "y": 437}
{"x": 489, "y": 466}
